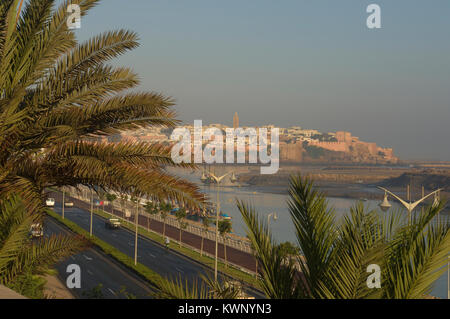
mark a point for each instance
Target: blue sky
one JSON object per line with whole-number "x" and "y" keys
{"x": 308, "y": 63}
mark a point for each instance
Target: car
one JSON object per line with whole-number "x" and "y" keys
{"x": 50, "y": 202}
{"x": 36, "y": 230}
{"x": 68, "y": 204}
{"x": 112, "y": 223}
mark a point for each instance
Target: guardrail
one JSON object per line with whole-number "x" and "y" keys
{"x": 170, "y": 220}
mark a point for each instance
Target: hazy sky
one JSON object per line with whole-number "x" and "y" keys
{"x": 296, "y": 62}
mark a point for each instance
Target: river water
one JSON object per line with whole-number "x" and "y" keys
{"x": 282, "y": 228}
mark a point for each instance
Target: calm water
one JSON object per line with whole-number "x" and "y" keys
{"x": 282, "y": 229}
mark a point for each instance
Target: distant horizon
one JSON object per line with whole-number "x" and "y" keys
{"x": 311, "y": 64}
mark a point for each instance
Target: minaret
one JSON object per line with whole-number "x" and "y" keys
{"x": 235, "y": 120}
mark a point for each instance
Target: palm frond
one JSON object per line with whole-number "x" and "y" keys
{"x": 280, "y": 279}
{"x": 315, "y": 229}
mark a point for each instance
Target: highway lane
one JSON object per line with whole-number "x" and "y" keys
{"x": 165, "y": 262}
{"x": 96, "y": 268}
{"x": 154, "y": 256}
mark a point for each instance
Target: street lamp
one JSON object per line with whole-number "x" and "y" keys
{"x": 217, "y": 180}
{"x": 273, "y": 215}
{"x": 64, "y": 193}
{"x": 385, "y": 205}
{"x": 92, "y": 211}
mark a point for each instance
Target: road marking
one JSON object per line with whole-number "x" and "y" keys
{"x": 87, "y": 258}
{"x": 152, "y": 255}
{"x": 179, "y": 270}
{"x": 114, "y": 235}
{"x": 90, "y": 273}
{"x": 112, "y": 291}
{"x": 73, "y": 258}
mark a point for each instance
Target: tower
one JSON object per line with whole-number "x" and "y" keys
{"x": 235, "y": 120}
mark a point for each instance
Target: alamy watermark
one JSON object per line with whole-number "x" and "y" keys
{"x": 374, "y": 19}
{"x": 74, "y": 278}
{"x": 74, "y": 18}
{"x": 238, "y": 143}
{"x": 374, "y": 279}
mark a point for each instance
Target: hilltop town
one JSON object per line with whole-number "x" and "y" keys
{"x": 297, "y": 145}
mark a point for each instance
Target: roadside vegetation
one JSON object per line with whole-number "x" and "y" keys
{"x": 165, "y": 288}
{"x": 23, "y": 261}
{"x": 231, "y": 271}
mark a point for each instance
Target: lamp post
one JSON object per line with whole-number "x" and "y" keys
{"x": 92, "y": 212}
{"x": 64, "y": 193}
{"x": 217, "y": 180}
{"x": 448, "y": 277}
{"x": 136, "y": 236}
{"x": 385, "y": 205}
{"x": 273, "y": 215}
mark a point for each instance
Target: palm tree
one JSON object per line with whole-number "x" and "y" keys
{"x": 224, "y": 230}
{"x": 22, "y": 259}
{"x": 205, "y": 288}
{"x": 288, "y": 249}
{"x": 59, "y": 102}
{"x": 205, "y": 225}
{"x": 181, "y": 215}
{"x": 111, "y": 198}
{"x": 334, "y": 256}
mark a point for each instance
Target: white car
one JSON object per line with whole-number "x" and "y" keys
{"x": 112, "y": 223}
{"x": 68, "y": 204}
{"x": 50, "y": 202}
{"x": 37, "y": 230}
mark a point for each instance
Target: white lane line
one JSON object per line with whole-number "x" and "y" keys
{"x": 179, "y": 270}
{"x": 90, "y": 272}
{"x": 152, "y": 255}
{"x": 73, "y": 258}
{"x": 87, "y": 258}
{"x": 112, "y": 291}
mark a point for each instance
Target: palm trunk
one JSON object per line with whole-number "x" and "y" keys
{"x": 180, "y": 236}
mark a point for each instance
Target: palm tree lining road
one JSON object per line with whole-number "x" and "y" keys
{"x": 97, "y": 268}
{"x": 163, "y": 262}
{"x": 156, "y": 257}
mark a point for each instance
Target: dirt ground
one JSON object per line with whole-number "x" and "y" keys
{"x": 55, "y": 289}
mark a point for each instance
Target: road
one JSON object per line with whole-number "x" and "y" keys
{"x": 153, "y": 255}
{"x": 96, "y": 268}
